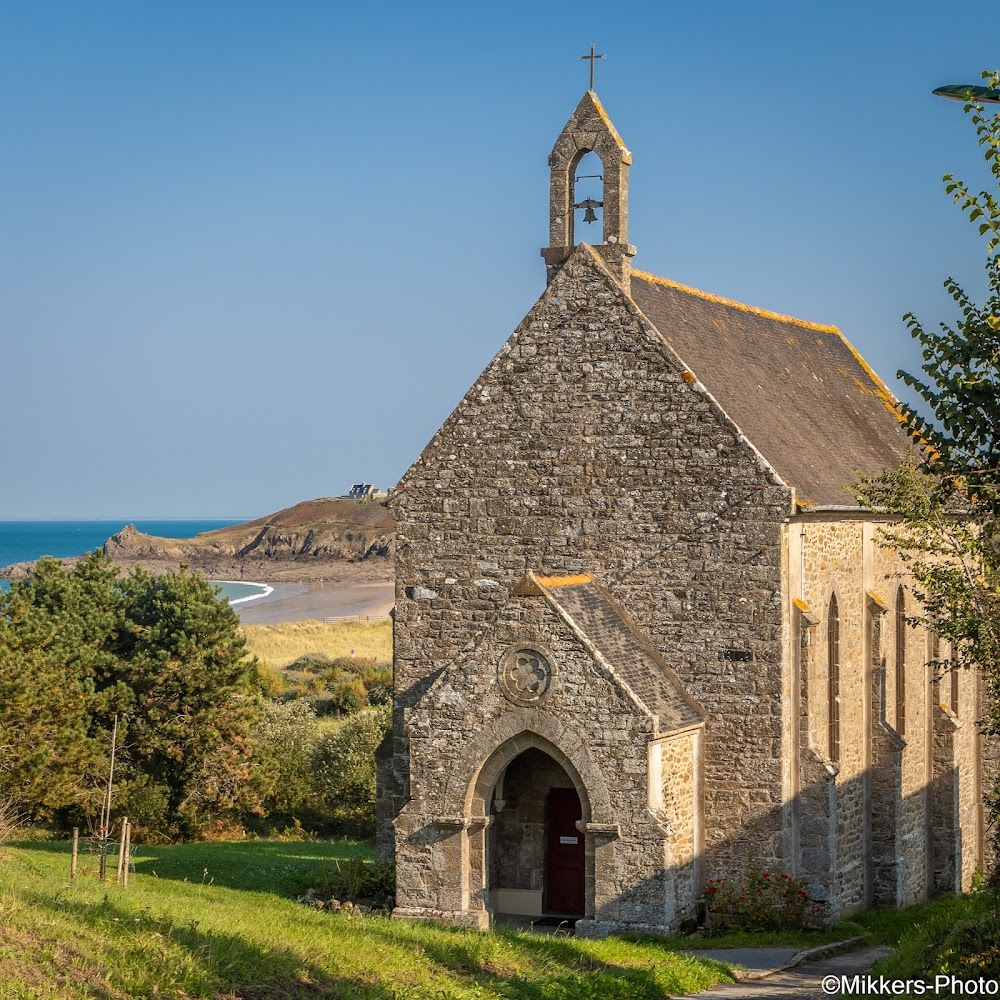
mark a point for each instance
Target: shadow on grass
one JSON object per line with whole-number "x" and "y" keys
{"x": 550, "y": 966}
{"x": 137, "y": 953}
{"x": 163, "y": 956}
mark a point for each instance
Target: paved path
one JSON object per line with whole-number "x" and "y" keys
{"x": 803, "y": 982}
{"x": 750, "y": 959}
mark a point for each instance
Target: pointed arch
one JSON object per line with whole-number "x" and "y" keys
{"x": 833, "y": 678}
{"x": 497, "y": 752}
{"x": 900, "y": 658}
{"x": 954, "y": 699}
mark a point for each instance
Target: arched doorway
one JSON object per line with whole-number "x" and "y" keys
{"x": 535, "y": 852}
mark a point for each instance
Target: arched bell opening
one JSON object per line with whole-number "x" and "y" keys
{"x": 586, "y": 189}
{"x": 535, "y": 861}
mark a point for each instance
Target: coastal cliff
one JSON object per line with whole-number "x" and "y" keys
{"x": 334, "y": 539}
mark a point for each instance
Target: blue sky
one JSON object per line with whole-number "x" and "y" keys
{"x": 254, "y": 252}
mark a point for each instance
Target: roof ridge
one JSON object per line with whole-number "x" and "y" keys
{"x": 722, "y": 300}
{"x": 573, "y": 580}
{"x": 605, "y": 118}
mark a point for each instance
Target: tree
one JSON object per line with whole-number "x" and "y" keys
{"x": 57, "y": 689}
{"x": 78, "y": 646}
{"x": 181, "y": 656}
{"x": 961, "y": 381}
{"x": 946, "y": 502}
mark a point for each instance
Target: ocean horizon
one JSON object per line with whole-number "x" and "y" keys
{"x": 27, "y": 540}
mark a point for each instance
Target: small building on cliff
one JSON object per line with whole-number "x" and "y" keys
{"x": 643, "y": 632}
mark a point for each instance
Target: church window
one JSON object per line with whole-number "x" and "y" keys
{"x": 833, "y": 678}
{"x": 900, "y": 662}
{"x": 953, "y": 677}
{"x": 944, "y": 671}
{"x": 935, "y": 677}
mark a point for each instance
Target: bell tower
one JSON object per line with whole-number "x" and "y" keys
{"x": 589, "y": 130}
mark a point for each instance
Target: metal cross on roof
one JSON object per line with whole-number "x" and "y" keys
{"x": 591, "y": 59}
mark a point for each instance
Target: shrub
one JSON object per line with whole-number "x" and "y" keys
{"x": 761, "y": 900}
{"x": 971, "y": 950}
{"x": 379, "y": 691}
{"x": 344, "y": 767}
{"x": 357, "y": 878}
{"x": 147, "y": 806}
{"x": 343, "y": 699}
{"x": 283, "y": 745}
{"x": 314, "y": 663}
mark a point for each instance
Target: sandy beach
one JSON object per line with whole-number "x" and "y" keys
{"x": 292, "y": 602}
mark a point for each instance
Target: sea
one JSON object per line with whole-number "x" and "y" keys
{"x": 22, "y": 541}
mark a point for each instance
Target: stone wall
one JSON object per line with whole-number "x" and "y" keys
{"x": 466, "y": 738}
{"x": 680, "y": 812}
{"x": 906, "y": 802}
{"x": 587, "y": 446}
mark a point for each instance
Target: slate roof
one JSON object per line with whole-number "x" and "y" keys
{"x": 797, "y": 390}
{"x": 604, "y": 626}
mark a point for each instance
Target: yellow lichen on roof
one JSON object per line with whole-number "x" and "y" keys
{"x": 889, "y": 401}
{"x": 800, "y": 604}
{"x": 552, "y": 582}
{"x": 711, "y": 297}
{"x": 612, "y": 131}
{"x": 881, "y": 389}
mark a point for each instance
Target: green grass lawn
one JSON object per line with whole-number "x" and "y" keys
{"x": 216, "y": 920}
{"x": 923, "y": 937}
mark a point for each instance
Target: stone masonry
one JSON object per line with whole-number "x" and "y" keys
{"x": 612, "y": 590}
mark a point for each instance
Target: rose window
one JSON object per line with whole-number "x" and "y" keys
{"x": 525, "y": 675}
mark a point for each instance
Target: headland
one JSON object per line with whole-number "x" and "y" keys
{"x": 324, "y": 558}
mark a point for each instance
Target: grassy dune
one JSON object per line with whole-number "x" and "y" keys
{"x": 277, "y": 646}
{"x": 213, "y": 920}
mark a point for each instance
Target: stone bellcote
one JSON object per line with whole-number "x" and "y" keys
{"x": 589, "y": 130}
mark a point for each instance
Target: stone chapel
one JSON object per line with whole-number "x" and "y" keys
{"x": 643, "y": 632}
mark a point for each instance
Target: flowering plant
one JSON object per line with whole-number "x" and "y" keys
{"x": 761, "y": 900}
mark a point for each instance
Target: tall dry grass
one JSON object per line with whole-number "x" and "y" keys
{"x": 11, "y": 819}
{"x": 278, "y": 646}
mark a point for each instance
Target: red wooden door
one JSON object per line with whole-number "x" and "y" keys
{"x": 565, "y": 873}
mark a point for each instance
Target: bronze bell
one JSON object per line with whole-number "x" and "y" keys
{"x": 588, "y": 204}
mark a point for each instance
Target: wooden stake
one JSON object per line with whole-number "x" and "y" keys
{"x": 121, "y": 849}
{"x": 128, "y": 853}
{"x": 106, "y": 804}
{"x": 76, "y": 851}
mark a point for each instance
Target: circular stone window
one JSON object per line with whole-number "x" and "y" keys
{"x": 525, "y": 675}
